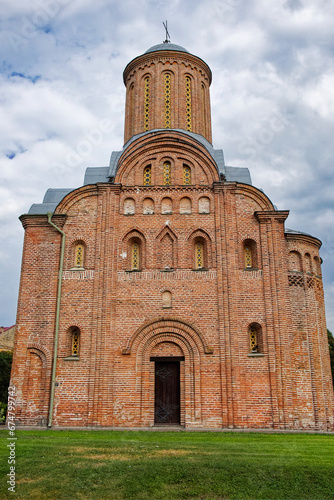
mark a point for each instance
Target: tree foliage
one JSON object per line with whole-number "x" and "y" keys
{"x": 5, "y": 368}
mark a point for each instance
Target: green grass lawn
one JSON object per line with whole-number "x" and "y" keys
{"x": 169, "y": 465}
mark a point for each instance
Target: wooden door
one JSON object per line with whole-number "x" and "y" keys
{"x": 167, "y": 393}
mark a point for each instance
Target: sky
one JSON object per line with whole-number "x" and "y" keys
{"x": 62, "y": 102}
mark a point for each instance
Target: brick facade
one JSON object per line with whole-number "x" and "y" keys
{"x": 140, "y": 293}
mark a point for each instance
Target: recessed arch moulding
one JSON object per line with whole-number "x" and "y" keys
{"x": 166, "y": 338}
{"x": 175, "y": 147}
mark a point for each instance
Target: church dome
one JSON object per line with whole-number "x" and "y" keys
{"x": 167, "y": 46}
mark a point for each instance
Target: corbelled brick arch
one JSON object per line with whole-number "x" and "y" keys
{"x": 166, "y": 333}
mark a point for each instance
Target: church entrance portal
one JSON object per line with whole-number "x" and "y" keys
{"x": 167, "y": 391}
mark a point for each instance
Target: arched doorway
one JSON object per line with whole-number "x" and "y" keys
{"x": 168, "y": 371}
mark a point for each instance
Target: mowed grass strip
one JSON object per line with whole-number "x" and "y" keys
{"x": 167, "y": 465}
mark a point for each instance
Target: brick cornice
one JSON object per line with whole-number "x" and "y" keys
{"x": 267, "y": 215}
{"x": 305, "y": 238}
{"x": 33, "y": 220}
{"x": 165, "y": 56}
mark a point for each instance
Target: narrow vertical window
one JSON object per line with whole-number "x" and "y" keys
{"x": 75, "y": 342}
{"x": 131, "y": 117}
{"x": 186, "y": 175}
{"x": 253, "y": 345}
{"x": 203, "y": 110}
{"x": 79, "y": 255}
{"x": 248, "y": 256}
{"x": 167, "y": 101}
{"x": 167, "y": 173}
{"x": 146, "y": 102}
{"x": 188, "y": 103}
{"x": 147, "y": 176}
{"x": 199, "y": 260}
{"x": 135, "y": 257}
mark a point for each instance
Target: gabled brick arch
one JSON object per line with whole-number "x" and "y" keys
{"x": 168, "y": 232}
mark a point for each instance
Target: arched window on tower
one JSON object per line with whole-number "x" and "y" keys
{"x": 167, "y": 85}
{"x": 203, "y": 110}
{"x": 167, "y": 173}
{"x": 131, "y": 121}
{"x": 146, "y": 102}
{"x": 147, "y": 176}
{"x": 188, "y": 104}
{"x": 186, "y": 174}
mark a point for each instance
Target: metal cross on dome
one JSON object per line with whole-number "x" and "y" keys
{"x": 167, "y": 34}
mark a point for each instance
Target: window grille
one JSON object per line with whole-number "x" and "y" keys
{"x": 79, "y": 256}
{"x": 135, "y": 256}
{"x": 253, "y": 339}
{"x": 147, "y": 103}
{"x": 199, "y": 256}
{"x": 75, "y": 344}
{"x": 188, "y": 103}
{"x": 147, "y": 176}
{"x": 248, "y": 257}
{"x": 167, "y": 173}
{"x": 296, "y": 280}
{"x": 186, "y": 175}
{"x": 167, "y": 101}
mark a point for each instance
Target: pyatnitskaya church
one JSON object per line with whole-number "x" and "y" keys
{"x": 167, "y": 290}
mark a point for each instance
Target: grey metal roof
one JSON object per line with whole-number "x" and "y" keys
{"x": 42, "y": 208}
{"x": 51, "y": 199}
{"x": 166, "y": 46}
{"x": 115, "y": 155}
{"x": 56, "y": 195}
{"x": 293, "y": 231}
{"x": 238, "y": 174}
{"x": 96, "y": 174}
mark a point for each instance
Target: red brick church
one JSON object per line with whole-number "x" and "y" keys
{"x": 166, "y": 290}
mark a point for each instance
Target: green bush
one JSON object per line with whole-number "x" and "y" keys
{"x": 5, "y": 368}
